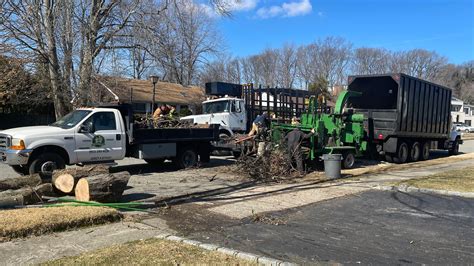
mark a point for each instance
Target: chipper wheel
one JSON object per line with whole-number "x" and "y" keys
{"x": 348, "y": 159}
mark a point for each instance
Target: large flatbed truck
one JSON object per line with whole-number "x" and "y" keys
{"x": 101, "y": 135}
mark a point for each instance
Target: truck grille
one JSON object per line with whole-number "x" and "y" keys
{"x": 5, "y": 141}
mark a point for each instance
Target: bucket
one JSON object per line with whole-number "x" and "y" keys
{"x": 332, "y": 165}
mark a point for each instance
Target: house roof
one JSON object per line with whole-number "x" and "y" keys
{"x": 120, "y": 89}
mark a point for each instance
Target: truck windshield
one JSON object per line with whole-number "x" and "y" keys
{"x": 72, "y": 119}
{"x": 216, "y": 107}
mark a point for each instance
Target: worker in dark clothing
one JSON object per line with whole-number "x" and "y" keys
{"x": 261, "y": 122}
{"x": 293, "y": 140}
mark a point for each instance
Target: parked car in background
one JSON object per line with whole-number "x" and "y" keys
{"x": 464, "y": 127}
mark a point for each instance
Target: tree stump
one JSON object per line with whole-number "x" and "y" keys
{"x": 102, "y": 188}
{"x": 20, "y": 182}
{"x": 25, "y": 196}
{"x": 64, "y": 180}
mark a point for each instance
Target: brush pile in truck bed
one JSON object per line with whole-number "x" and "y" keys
{"x": 89, "y": 183}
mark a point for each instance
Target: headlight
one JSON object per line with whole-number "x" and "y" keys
{"x": 18, "y": 144}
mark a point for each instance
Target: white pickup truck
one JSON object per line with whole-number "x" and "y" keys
{"x": 96, "y": 135}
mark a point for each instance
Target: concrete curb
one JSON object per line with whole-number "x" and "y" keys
{"x": 228, "y": 251}
{"x": 426, "y": 190}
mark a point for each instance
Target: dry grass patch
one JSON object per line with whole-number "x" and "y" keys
{"x": 380, "y": 168}
{"x": 461, "y": 180}
{"x": 151, "y": 252}
{"x": 36, "y": 221}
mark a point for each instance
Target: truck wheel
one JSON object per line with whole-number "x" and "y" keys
{"x": 425, "y": 151}
{"x": 155, "y": 161}
{"x": 21, "y": 170}
{"x": 402, "y": 153}
{"x": 389, "y": 158}
{"x": 348, "y": 160}
{"x": 455, "y": 149}
{"x": 223, "y": 138}
{"x": 236, "y": 154}
{"x": 187, "y": 158}
{"x": 45, "y": 164}
{"x": 415, "y": 151}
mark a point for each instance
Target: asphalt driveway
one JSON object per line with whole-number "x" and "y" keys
{"x": 374, "y": 227}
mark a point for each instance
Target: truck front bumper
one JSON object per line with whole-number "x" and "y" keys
{"x": 15, "y": 157}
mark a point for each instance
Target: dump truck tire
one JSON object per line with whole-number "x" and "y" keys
{"x": 402, "y": 153}
{"x": 455, "y": 149}
{"x": 415, "y": 151}
{"x": 425, "y": 151}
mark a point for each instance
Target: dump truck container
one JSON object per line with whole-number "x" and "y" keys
{"x": 404, "y": 116}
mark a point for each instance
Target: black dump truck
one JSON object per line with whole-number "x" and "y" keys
{"x": 405, "y": 117}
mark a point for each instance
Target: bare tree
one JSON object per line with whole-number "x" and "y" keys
{"x": 332, "y": 59}
{"x": 370, "y": 61}
{"x": 307, "y": 69}
{"x": 287, "y": 66}
{"x": 31, "y": 25}
{"x": 417, "y": 62}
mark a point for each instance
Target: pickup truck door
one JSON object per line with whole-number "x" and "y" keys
{"x": 102, "y": 139}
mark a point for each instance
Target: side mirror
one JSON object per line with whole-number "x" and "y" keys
{"x": 85, "y": 129}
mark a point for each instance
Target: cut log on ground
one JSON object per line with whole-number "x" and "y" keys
{"x": 102, "y": 188}
{"x": 25, "y": 196}
{"x": 64, "y": 180}
{"x": 20, "y": 182}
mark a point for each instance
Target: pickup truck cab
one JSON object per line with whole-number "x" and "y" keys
{"x": 97, "y": 135}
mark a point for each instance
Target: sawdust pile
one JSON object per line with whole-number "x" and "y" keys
{"x": 274, "y": 165}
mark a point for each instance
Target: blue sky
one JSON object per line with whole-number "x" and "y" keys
{"x": 445, "y": 26}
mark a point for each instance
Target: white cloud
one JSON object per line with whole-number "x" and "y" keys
{"x": 291, "y": 9}
{"x": 241, "y": 5}
{"x": 230, "y": 5}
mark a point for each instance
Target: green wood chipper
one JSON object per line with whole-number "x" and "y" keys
{"x": 337, "y": 132}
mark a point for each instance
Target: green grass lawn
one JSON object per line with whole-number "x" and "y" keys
{"x": 461, "y": 180}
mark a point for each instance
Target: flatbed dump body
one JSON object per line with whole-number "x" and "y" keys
{"x": 404, "y": 116}
{"x": 402, "y": 105}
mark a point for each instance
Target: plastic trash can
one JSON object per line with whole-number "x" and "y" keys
{"x": 332, "y": 165}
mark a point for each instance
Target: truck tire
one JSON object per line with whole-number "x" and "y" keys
{"x": 415, "y": 151}
{"x": 155, "y": 161}
{"x": 236, "y": 154}
{"x": 402, "y": 153}
{"x": 455, "y": 149}
{"x": 348, "y": 160}
{"x": 45, "y": 164}
{"x": 425, "y": 151}
{"x": 223, "y": 137}
{"x": 21, "y": 170}
{"x": 186, "y": 158}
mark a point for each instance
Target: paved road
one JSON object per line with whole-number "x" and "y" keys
{"x": 375, "y": 227}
